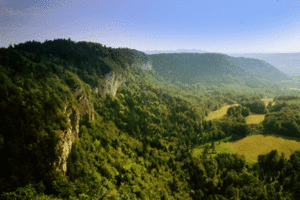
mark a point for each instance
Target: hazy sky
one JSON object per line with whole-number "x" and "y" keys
{"x": 227, "y": 26}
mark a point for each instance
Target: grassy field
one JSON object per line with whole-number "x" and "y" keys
{"x": 255, "y": 119}
{"x": 255, "y": 145}
{"x": 252, "y": 119}
{"x": 219, "y": 113}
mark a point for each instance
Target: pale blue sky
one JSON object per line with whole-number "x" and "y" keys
{"x": 226, "y": 26}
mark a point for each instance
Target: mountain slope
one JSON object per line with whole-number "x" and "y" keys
{"x": 187, "y": 67}
{"x": 288, "y": 63}
{"x": 260, "y": 68}
{"x": 212, "y": 67}
{"x": 68, "y": 128}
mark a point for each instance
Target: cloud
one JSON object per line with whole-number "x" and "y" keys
{"x": 10, "y": 12}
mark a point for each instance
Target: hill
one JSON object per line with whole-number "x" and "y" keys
{"x": 187, "y": 67}
{"x": 260, "y": 68}
{"x": 287, "y": 63}
{"x": 80, "y": 120}
{"x": 79, "y": 115}
{"x": 175, "y": 51}
{"x": 214, "y": 68}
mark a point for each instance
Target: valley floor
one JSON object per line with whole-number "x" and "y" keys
{"x": 252, "y": 119}
{"x": 254, "y": 145}
{"x": 255, "y": 118}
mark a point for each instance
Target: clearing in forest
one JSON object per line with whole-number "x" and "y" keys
{"x": 267, "y": 100}
{"x": 254, "y": 145}
{"x": 219, "y": 113}
{"x": 255, "y": 119}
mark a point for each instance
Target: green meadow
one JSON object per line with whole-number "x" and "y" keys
{"x": 254, "y": 145}
{"x": 219, "y": 113}
{"x": 255, "y": 119}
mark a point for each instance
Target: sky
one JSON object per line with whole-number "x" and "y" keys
{"x": 232, "y": 26}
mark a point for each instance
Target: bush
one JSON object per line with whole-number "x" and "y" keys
{"x": 237, "y": 110}
{"x": 258, "y": 106}
{"x": 22, "y": 193}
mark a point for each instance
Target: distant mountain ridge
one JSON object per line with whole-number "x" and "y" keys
{"x": 289, "y": 63}
{"x": 259, "y": 68}
{"x": 176, "y": 51}
{"x": 188, "y": 67}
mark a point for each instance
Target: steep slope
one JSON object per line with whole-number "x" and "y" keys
{"x": 47, "y": 92}
{"x": 77, "y": 120}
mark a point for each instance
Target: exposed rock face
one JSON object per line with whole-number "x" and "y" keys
{"x": 68, "y": 137}
{"x": 147, "y": 66}
{"x": 111, "y": 83}
{"x": 85, "y": 111}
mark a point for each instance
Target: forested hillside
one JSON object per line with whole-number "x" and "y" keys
{"x": 186, "y": 67}
{"x": 215, "y": 69}
{"x": 260, "y": 68}
{"x": 83, "y": 121}
{"x": 288, "y": 63}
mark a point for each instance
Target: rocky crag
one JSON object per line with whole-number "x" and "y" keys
{"x": 85, "y": 111}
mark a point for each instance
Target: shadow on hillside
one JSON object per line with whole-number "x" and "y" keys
{"x": 235, "y": 138}
{"x": 266, "y": 132}
{"x": 262, "y": 131}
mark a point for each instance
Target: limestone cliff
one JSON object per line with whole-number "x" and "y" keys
{"x": 147, "y": 66}
{"x": 67, "y": 137}
{"x": 85, "y": 111}
{"x": 111, "y": 83}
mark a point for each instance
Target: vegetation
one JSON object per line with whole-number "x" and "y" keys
{"x": 219, "y": 113}
{"x": 253, "y": 146}
{"x": 283, "y": 118}
{"x": 255, "y": 119}
{"x": 260, "y": 68}
{"x": 140, "y": 143}
{"x": 238, "y": 110}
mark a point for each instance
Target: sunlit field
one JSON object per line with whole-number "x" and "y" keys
{"x": 254, "y": 145}
{"x": 267, "y": 100}
{"x": 219, "y": 113}
{"x": 255, "y": 119}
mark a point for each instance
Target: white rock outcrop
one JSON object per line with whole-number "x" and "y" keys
{"x": 111, "y": 83}
{"x": 67, "y": 138}
{"x": 74, "y": 115}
